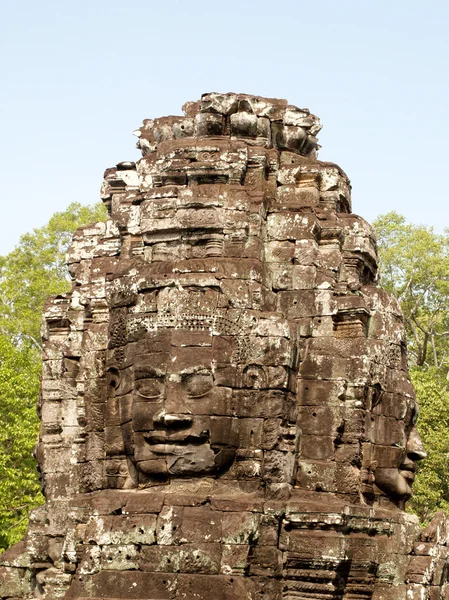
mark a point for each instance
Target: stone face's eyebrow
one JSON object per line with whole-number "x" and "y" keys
{"x": 196, "y": 370}
{"x": 152, "y": 362}
{"x": 148, "y": 371}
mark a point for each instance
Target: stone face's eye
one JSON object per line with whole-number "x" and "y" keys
{"x": 151, "y": 388}
{"x": 198, "y": 384}
{"x": 254, "y": 376}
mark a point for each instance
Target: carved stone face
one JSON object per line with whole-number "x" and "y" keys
{"x": 397, "y": 445}
{"x": 176, "y": 415}
{"x": 201, "y": 394}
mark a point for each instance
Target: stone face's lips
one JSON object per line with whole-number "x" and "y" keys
{"x": 408, "y": 469}
{"x": 157, "y": 439}
{"x": 407, "y": 473}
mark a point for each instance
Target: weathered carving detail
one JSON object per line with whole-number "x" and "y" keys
{"x": 226, "y": 407}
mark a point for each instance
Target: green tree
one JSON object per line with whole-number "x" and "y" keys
{"x": 34, "y": 270}
{"x": 414, "y": 266}
{"x": 19, "y": 485}
{"x": 431, "y": 488}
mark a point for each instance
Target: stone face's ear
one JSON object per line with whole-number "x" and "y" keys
{"x": 255, "y": 377}
{"x": 375, "y": 394}
{"x": 113, "y": 379}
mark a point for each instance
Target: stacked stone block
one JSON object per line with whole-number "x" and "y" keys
{"x": 226, "y": 408}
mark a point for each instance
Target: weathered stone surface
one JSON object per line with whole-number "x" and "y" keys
{"x": 226, "y": 408}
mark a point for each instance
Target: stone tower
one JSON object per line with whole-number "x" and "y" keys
{"x": 226, "y": 408}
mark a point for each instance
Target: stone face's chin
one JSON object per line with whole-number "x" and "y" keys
{"x": 395, "y": 483}
{"x": 180, "y": 460}
{"x": 191, "y": 460}
{"x": 186, "y": 460}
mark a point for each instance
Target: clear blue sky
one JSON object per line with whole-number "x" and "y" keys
{"x": 78, "y": 77}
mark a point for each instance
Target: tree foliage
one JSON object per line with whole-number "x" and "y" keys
{"x": 19, "y": 485}
{"x": 431, "y": 488}
{"x": 414, "y": 266}
{"x": 34, "y": 270}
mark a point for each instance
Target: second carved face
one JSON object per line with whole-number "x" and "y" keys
{"x": 397, "y": 446}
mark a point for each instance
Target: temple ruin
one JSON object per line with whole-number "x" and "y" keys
{"x": 226, "y": 411}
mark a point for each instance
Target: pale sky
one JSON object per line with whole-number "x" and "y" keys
{"x": 78, "y": 77}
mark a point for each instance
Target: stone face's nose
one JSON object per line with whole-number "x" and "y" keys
{"x": 163, "y": 420}
{"x": 415, "y": 447}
